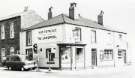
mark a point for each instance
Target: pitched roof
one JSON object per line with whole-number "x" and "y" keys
{"x": 64, "y": 19}
{"x": 15, "y": 15}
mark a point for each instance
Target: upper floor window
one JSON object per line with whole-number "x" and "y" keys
{"x": 93, "y": 36}
{"x": 77, "y": 34}
{"x": 28, "y": 38}
{"x": 12, "y": 30}
{"x": 2, "y": 31}
{"x": 109, "y": 38}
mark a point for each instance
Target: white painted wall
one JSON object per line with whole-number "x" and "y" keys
{"x": 22, "y": 42}
{"x": 64, "y": 34}
{"x": 104, "y": 41}
{"x": 58, "y": 34}
{"x": 30, "y": 18}
{"x": 57, "y": 31}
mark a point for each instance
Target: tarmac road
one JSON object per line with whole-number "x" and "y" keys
{"x": 125, "y": 72}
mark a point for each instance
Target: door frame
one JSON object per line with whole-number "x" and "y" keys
{"x": 94, "y": 57}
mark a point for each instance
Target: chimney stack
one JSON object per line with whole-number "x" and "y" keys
{"x": 50, "y": 13}
{"x": 100, "y": 18}
{"x": 72, "y": 10}
{"x": 26, "y": 8}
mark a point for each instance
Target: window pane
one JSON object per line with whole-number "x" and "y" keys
{"x": 29, "y": 38}
{"x": 48, "y": 50}
{"x": 12, "y": 30}
{"x": 11, "y": 50}
{"x": 93, "y": 36}
{"x": 77, "y": 34}
{"x": 108, "y": 54}
{"x": 2, "y": 32}
{"x": 3, "y": 54}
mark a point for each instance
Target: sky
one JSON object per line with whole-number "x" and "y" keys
{"x": 119, "y": 14}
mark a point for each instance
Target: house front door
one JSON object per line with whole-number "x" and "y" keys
{"x": 94, "y": 57}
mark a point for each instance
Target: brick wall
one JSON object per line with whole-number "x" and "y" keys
{"x": 8, "y": 42}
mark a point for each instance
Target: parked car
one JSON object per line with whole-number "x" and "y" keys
{"x": 19, "y": 62}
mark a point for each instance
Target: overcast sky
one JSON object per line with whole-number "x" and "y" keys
{"x": 119, "y": 14}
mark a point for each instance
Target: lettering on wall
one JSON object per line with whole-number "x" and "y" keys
{"x": 47, "y": 34}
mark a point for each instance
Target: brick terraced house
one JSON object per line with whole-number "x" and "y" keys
{"x": 10, "y": 31}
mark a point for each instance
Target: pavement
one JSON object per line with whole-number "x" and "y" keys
{"x": 101, "y": 72}
{"x": 89, "y": 70}
{"x": 92, "y": 70}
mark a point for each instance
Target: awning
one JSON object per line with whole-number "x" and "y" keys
{"x": 70, "y": 44}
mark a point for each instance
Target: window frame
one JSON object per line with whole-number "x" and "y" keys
{"x": 95, "y": 36}
{"x": 48, "y": 51}
{"x": 12, "y": 31}
{"x": 77, "y": 34}
{"x": 108, "y": 55}
{"x": 2, "y": 31}
{"x": 13, "y": 50}
{"x": 28, "y": 38}
{"x": 3, "y": 49}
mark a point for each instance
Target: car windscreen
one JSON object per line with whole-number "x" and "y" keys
{"x": 15, "y": 58}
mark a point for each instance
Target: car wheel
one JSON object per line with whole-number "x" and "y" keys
{"x": 8, "y": 68}
{"x": 12, "y": 68}
{"x": 22, "y": 69}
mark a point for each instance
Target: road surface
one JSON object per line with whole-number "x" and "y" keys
{"x": 122, "y": 72}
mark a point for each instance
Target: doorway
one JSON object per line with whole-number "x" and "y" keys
{"x": 79, "y": 58}
{"x": 94, "y": 57}
{"x": 66, "y": 57}
{"x": 125, "y": 58}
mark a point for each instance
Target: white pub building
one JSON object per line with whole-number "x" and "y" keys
{"x": 66, "y": 42}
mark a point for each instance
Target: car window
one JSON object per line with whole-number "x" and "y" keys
{"x": 15, "y": 58}
{"x": 29, "y": 57}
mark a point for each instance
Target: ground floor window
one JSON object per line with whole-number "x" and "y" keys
{"x": 121, "y": 53}
{"x": 50, "y": 54}
{"x": 12, "y": 50}
{"x": 29, "y": 54}
{"x": 108, "y": 54}
{"x": 79, "y": 53}
{"x": 48, "y": 51}
{"x": 3, "y": 54}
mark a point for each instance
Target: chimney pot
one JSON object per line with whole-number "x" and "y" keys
{"x": 50, "y": 13}
{"x": 72, "y": 10}
{"x": 100, "y": 18}
{"x": 26, "y": 8}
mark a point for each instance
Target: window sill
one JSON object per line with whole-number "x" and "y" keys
{"x": 51, "y": 62}
{"x": 2, "y": 39}
{"x": 29, "y": 45}
{"x": 11, "y": 38}
{"x": 107, "y": 60}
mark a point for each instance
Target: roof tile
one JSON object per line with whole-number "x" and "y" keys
{"x": 62, "y": 18}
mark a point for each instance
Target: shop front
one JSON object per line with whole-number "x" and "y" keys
{"x": 72, "y": 56}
